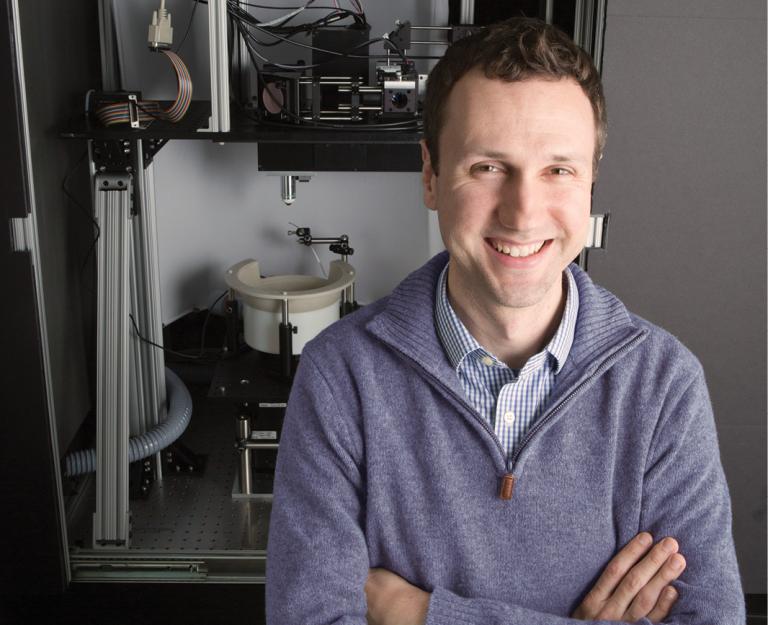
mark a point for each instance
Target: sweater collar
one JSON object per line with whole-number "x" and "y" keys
{"x": 407, "y": 323}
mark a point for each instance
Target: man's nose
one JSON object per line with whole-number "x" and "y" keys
{"x": 519, "y": 204}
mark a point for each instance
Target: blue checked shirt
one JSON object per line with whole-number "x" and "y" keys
{"x": 509, "y": 399}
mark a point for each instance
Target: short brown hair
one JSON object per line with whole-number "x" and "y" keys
{"x": 516, "y": 49}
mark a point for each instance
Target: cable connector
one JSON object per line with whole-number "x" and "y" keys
{"x": 160, "y": 35}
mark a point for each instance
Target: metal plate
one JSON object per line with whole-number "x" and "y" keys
{"x": 186, "y": 513}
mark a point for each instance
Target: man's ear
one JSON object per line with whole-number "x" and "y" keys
{"x": 428, "y": 178}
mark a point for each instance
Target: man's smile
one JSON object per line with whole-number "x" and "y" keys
{"x": 516, "y": 253}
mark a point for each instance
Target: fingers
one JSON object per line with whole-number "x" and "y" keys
{"x": 663, "y": 605}
{"x": 654, "y": 590}
{"x": 618, "y": 567}
{"x": 636, "y": 582}
{"x": 641, "y": 588}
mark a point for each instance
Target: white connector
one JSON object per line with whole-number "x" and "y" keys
{"x": 160, "y": 31}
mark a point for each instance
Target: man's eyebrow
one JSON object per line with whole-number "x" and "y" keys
{"x": 558, "y": 157}
{"x": 566, "y": 158}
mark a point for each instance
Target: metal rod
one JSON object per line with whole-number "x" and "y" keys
{"x": 244, "y": 433}
{"x": 288, "y": 189}
{"x": 578, "y": 22}
{"x": 549, "y": 10}
{"x": 246, "y": 487}
{"x": 219, "y": 65}
{"x": 250, "y": 445}
{"x": 330, "y": 119}
{"x": 431, "y": 27}
{"x": 432, "y": 43}
{"x": 325, "y": 240}
{"x": 467, "y": 11}
{"x": 284, "y": 310}
{"x": 329, "y": 83}
{"x": 286, "y": 343}
{"x": 597, "y": 52}
{"x": 361, "y": 90}
{"x": 348, "y": 107}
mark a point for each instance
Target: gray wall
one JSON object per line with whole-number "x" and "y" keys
{"x": 684, "y": 178}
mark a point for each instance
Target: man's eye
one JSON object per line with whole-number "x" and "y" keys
{"x": 560, "y": 171}
{"x": 483, "y": 168}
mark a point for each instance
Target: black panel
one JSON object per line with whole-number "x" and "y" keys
{"x": 491, "y": 11}
{"x": 340, "y": 39}
{"x": 31, "y": 545}
{"x": 339, "y": 157}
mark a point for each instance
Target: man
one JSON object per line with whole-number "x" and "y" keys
{"x": 500, "y": 440}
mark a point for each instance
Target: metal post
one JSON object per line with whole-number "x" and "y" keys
{"x": 578, "y": 23}
{"x": 549, "y": 10}
{"x": 113, "y": 214}
{"x": 467, "y": 12}
{"x": 217, "y": 39}
{"x": 286, "y": 342}
{"x": 288, "y": 189}
{"x": 147, "y": 310}
{"x": 597, "y": 52}
{"x": 111, "y": 68}
{"x": 244, "y": 435}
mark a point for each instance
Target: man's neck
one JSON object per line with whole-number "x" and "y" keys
{"x": 513, "y": 335}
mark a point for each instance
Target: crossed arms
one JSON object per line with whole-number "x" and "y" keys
{"x": 319, "y": 569}
{"x": 635, "y": 584}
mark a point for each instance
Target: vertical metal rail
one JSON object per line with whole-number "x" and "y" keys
{"x": 597, "y": 52}
{"x": 217, "y": 41}
{"x": 589, "y": 22}
{"x": 578, "y": 23}
{"x": 467, "y": 12}
{"x": 110, "y": 57}
{"x": 146, "y": 303}
{"x": 244, "y": 436}
{"x": 138, "y": 413}
{"x": 549, "y": 11}
{"x": 113, "y": 214}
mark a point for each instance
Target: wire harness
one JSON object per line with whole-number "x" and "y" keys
{"x": 149, "y": 110}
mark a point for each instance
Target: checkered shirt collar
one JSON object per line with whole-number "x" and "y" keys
{"x": 459, "y": 343}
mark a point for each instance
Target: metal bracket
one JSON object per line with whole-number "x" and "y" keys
{"x": 150, "y": 147}
{"x": 114, "y": 182}
{"x": 21, "y": 235}
{"x": 133, "y": 110}
{"x": 112, "y": 156}
{"x": 183, "y": 459}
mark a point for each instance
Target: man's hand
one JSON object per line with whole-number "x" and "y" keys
{"x": 635, "y": 584}
{"x": 393, "y": 601}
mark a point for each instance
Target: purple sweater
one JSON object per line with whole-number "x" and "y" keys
{"x": 384, "y": 463}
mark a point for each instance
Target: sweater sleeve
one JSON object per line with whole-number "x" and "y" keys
{"x": 685, "y": 495}
{"x": 317, "y": 560}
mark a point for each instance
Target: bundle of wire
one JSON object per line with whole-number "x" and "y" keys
{"x": 279, "y": 31}
{"x": 118, "y": 113}
{"x": 280, "y": 25}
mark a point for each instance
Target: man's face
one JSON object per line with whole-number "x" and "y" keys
{"x": 513, "y": 193}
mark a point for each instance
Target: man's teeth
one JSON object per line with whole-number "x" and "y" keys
{"x": 517, "y": 251}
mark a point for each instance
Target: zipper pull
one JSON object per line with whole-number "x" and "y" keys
{"x": 507, "y": 486}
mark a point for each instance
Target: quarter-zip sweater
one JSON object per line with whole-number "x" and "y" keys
{"x": 384, "y": 463}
